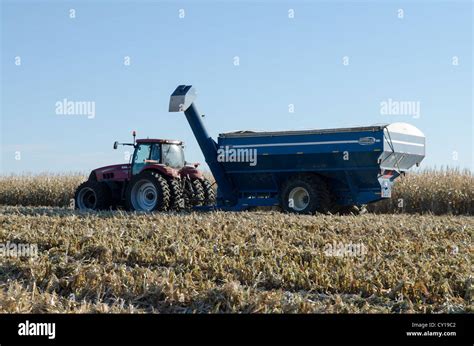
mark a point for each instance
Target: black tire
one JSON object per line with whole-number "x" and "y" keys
{"x": 92, "y": 195}
{"x": 209, "y": 194}
{"x": 176, "y": 194}
{"x": 349, "y": 209}
{"x": 305, "y": 194}
{"x": 198, "y": 195}
{"x": 193, "y": 193}
{"x": 147, "y": 191}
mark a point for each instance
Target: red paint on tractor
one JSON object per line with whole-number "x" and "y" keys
{"x": 191, "y": 171}
{"x": 164, "y": 170}
{"x": 122, "y": 172}
{"x": 165, "y": 141}
{"x": 113, "y": 172}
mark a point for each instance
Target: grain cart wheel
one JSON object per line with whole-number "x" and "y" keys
{"x": 305, "y": 194}
{"x": 176, "y": 193}
{"x": 92, "y": 195}
{"x": 147, "y": 191}
{"x": 209, "y": 194}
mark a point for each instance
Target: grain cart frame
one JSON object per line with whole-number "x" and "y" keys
{"x": 305, "y": 171}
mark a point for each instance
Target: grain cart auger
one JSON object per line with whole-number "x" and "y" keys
{"x": 330, "y": 170}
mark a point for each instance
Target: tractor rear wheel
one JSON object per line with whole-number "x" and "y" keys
{"x": 209, "y": 194}
{"x": 92, "y": 195}
{"x": 147, "y": 191}
{"x": 198, "y": 193}
{"x": 305, "y": 194}
{"x": 176, "y": 194}
{"x": 194, "y": 193}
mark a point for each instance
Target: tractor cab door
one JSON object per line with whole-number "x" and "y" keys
{"x": 142, "y": 153}
{"x": 145, "y": 154}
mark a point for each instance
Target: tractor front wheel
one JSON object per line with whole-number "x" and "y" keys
{"x": 92, "y": 195}
{"x": 147, "y": 191}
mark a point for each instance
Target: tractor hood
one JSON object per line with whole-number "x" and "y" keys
{"x": 113, "y": 172}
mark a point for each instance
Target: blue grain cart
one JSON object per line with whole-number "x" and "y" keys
{"x": 308, "y": 171}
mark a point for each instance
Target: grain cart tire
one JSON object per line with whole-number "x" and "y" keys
{"x": 92, "y": 195}
{"x": 305, "y": 194}
{"x": 209, "y": 194}
{"x": 176, "y": 194}
{"x": 148, "y": 191}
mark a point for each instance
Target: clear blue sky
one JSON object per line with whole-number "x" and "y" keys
{"x": 283, "y": 61}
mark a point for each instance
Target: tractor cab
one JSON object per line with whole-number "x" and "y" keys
{"x": 157, "y": 151}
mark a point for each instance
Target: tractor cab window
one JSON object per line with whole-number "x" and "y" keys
{"x": 173, "y": 155}
{"x": 156, "y": 153}
{"x": 142, "y": 153}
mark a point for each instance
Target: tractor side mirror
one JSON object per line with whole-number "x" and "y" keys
{"x": 116, "y": 145}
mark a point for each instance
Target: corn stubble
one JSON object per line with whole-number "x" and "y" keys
{"x": 255, "y": 262}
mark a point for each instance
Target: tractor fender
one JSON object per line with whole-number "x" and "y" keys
{"x": 163, "y": 170}
{"x": 192, "y": 172}
{"x": 92, "y": 176}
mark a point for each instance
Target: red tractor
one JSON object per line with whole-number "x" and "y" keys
{"x": 158, "y": 178}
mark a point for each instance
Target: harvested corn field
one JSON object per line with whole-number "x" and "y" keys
{"x": 235, "y": 262}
